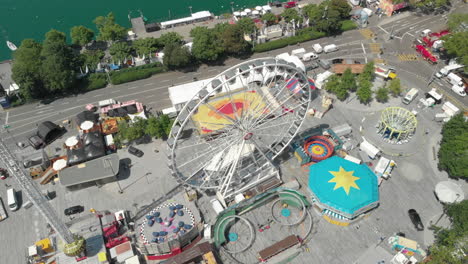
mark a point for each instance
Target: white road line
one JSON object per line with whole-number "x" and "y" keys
{"x": 134, "y": 87}
{"x": 197, "y": 73}
{"x": 164, "y": 81}
{"x": 180, "y": 77}
{"x": 97, "y": 95}
{"x": 115, "y": 91}
{"x": 363, "y": 49}
{"x": 148, "y": 84}
{"x": 6, "y": 119}
{"x": 212, "y": 70}
{"x": 386, "y": 32}
{"x": 150, "y": 96}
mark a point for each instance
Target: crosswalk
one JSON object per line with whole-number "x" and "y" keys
{"x": 375, "y": 47}
{"x": 407, "y": 57}
{"x": 380, "y": 61}
{"x": 367, "y": 33}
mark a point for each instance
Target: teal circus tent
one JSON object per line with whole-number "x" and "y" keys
{"x": 343, "y": 186}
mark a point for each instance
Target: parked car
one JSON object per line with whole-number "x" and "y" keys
{"x": 416, "y": 219}
{"x": 74, "y": 210}
{"x": 45, "y": 134}
{"x": 3, "y": 173}
{"x": 337, "y": 61}
{"x": 134, "y": 151}
{"x": 324, "y": 64}
{"x": 311, "y": 66}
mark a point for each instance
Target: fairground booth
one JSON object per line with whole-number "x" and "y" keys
{"x": 342, "y": 189}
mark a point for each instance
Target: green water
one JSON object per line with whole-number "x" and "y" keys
{"x": 20, "y": 19}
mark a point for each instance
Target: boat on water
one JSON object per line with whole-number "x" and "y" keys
{"x": 11, "y": 46}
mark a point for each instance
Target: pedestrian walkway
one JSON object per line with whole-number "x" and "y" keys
{"x": 375, "y": 47}
{"x": 380, "y": 61}
{"x": 367, "y": 33}
{"x": 408, "y": 57}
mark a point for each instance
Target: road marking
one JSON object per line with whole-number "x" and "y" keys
{"x": 386, "y": 32}
{"x": 212, "y": 70}
{"x": 114, "y": 91}
{"x": 180, "y": 77}
{"x": 133, "y": 87}
{"x": 363, "y": 49}
{"x": 6, "y": 119}
{"x": 150, "y": 96}
{"x": 97, "y": 95}
{"x": 165, "y": 81}
{"x": 197, "y": 73}
{"x": 148, "y": 84}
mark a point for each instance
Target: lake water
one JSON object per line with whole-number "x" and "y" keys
{"x": 20, "y": 19}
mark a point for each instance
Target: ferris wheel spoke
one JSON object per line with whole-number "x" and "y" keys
{"x": 227, "y": 181}
{"x": 234, "y": 107}
{"x": 208, "y": 154}
{"x": 279, "y": 117}
{"x": 261, "y": 118}
{"x": 212, "y": 108}
{"x": 274, "y": 101}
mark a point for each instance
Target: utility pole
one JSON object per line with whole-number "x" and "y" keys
{"x": 190, "y": 7}
{"x": 232, "y": 7}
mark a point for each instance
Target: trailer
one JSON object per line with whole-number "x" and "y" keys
{"x": 369, "y": 149}
{"x": 384, "y": 73}
{"x": 298, "y": 53}
{"x": 448, "y": 69}
{"x": 278, "y": 247}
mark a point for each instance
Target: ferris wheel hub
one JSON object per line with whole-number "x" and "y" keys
{"x": 248, "y": 136}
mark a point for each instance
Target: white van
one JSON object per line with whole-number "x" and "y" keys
{"x": 12, "y": 202}
{"x": 330, "y": 48}
{"x": 107, "y": 102}
{"x": 317, "y": 48}
{"x": 455, "y": 79}
{"x": 298, "y": 52}
{"x": 217, "y": 206}
{"x": 410, "y": 95}
{"x": 309, "y": 56}
{"x": 460, "y": 90}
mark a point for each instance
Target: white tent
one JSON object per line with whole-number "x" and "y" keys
{"x": 369, "y": 149}
{"x": 71, "y": 141}
{"x": 86, "y": 125}
{"x": 449, "y": 192}
{"x": 247, "y": 10}
{"x": 258, "y": 8}
{"x": 237, "y": 13}
{"x": 59, "y": 164}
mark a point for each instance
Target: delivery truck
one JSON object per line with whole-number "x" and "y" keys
{"x": 317, "y": 48}
{"x": 298, "y": 52}
{"x": 448, "y": 69}
{"x": 330, "y": 48}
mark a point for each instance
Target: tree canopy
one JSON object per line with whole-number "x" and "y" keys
{"x": 453, "y": 154}
{"x": 120, "y": 51}
{"x": 247, "y": 25}
{"x": 364, "y": 92}
{"x": 455, "y": 44}
{"x": 26, "y": 69}
{"x": 233, "y": 40}
{"x": 450, "y": 243}
{"x": 109, "y": 30}
{"x": 348, "y": 80}
{"x": 91, "y": 58}
{"x": 382, "y": 94}
{"x": 146, "y": 45}
{"x": 176, "y": 56}
{"x": 81, "y": 35}
{"x": 57, "y": 67}
{"x": 270, "y": 18}
{"x": 328, "y": 15}
{"x": 291, "y": 14}
{"x": 455, "y": 20}
{"x": 395, "y": 87}
{"x": 207, "y": 46}
{"x": 170, "y": 38}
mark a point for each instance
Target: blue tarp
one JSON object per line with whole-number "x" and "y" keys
{"x": 344, "y": 186}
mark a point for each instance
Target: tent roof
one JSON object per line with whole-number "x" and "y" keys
{"x": 344, "y": 186}
{"x": 45, "y": 128}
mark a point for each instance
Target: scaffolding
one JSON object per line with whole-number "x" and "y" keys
{"x": 38, "y": 199}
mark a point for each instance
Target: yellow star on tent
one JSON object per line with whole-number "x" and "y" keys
{"x": 344, "y": 179}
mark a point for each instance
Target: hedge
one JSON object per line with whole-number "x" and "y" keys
{"x": 348, "y": 25}
{"x": 136, "y": 73}
{"x": 96, "y": 81}
{"x": 304, "y": 35}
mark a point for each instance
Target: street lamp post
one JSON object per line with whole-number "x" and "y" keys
{"x": 232, "y": 7}
{"x": 190, "y": 7}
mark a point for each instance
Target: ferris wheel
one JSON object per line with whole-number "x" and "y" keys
{"x": 227, "y": 136}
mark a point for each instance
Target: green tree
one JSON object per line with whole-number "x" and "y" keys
{"x": 313, "y": 12}
{"x": 154, "y": 127}
{"x": 341, "y": 6}
{"x": 348, "y": 80}
{"x": 166, "y": 124}
{"x": 233, "y": 40}
{"x": 91, "y": 58}
{"x": 247, "y": 25}
{"x": 108, "y": 29}
{"x": 395, "y": 87}
{"x": 170, "y": 38}
{"x": 120, "y": 51}
{"x": 176, "y": 56}
{"x": 131, "y": 132}
{"x": 455, "y": 20}
{"x": 455, "y": 44}
{"x": 146, "y": 45}
{"x": 81, "y": 35}
{"x": 368, "y": 72}
{"x": 26, "y": 69}
{"x": 364, "y": 92}
{"x": 382, "y": 94}
{"x": 453, "y": 154}
{"x": 332, "y": 83}
{"x": 206, "y": 44}
{"x": 270, "y": 18}
{"x": 57, "y": 67}
{"x": 289, "y": 14}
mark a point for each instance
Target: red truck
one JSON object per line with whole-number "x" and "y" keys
{"x": 290, "y": 4}
{"x": 427, "y": 55}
